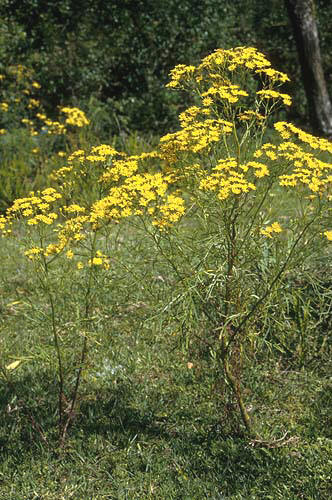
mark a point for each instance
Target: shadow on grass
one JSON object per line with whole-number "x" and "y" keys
{"x": 322, "y": 405}
{"x": 186, "y": 443}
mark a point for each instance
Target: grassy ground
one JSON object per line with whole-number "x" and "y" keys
{"x": 154, "y": 420}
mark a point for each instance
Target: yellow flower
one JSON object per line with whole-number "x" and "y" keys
{"x": 33, "y": 103}
{"x": 74, "y": 208}
{"x": 96, "y": 261}
{"x": 269, "y": 230}
{"x": 276, "y": 228}
{"x": 328, "y": 235}
{"x": 33, "y": 253}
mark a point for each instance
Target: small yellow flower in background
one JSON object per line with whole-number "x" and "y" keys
{"x": 79, "y": 265}
{"x": 3, "y": 131}
{"x": 99, "y": 260}
{"x": 35, "y": 150}
{"x": 32, "y": 222}
{"x": 33, "y": 103}
{"x": 61, "y": 154}
{"x": 249, "y": 115}
{"x": 4, "y": 106}
{"x": 269, "y": 230}
{"x": 77, "y": 154}
{"x": 3, "y": 222}
{"x": 36, "y": 85}
{"x": 26, "y": 121}
{"x": 75, "y": 117}
{"x": 69, "y": 254}
{"x": 276, "y": 228}
{"x": 328, "y": 235}
{"x": 95, "y": 261}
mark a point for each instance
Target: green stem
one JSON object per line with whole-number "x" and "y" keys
{"x": 56, "y": 340}
{"x": 235, "y": 385}
{"x": 84, "y": 349}
{"x": 240, "y": 327}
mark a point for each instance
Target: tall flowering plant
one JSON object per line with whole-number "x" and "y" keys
{"x": 234, "y": 179}
{"x": 207, "y": 197}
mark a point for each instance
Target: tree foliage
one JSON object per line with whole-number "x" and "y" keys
{"x": 121, "y": 52}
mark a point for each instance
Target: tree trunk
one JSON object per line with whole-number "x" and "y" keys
{"x": 302, "y": 17}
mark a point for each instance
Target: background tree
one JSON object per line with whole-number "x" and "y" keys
{"x": 303, "y": 21}
{"x": 116, "y": 69}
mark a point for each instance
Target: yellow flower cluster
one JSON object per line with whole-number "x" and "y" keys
{"x": 287, "y": 130}
{"x": 272, "y": 94}
{"x": 33, "y": 253}
{"x": 180, "y": 74}
{"x": 227, "y": 179}
{"x": 205, "y": 154}
{"x": 194, "y": 137}
{"x": 102, "y": 163}
{"x": 250, "y": 114}
{"x": 136, "y": 194}
{"x": 239, "y": 58}
{"x": 33, "y": 103}
{"x": 230, "y": 93}
{"x": 307, "y": 168}
{"x": 75, "y": 117}
{"x": 35, "y": 208}
{"x": 21, "y": 80}
{"x": 217, "y": 83}
{"x": 170, "y": 212}
{"x": 5, "y": 225}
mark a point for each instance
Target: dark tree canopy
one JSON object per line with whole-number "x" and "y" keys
{"x": 119, "y": 53}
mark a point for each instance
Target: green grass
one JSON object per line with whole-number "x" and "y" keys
{"x": 147, "y": 426}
